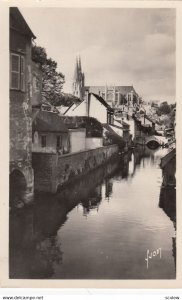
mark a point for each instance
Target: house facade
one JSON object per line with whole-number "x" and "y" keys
{"x": 49, "y": 134}
{"x": 21, "y": 172}
{"x": 77, "y": 139}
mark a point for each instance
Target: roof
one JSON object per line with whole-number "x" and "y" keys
{"x": 149, "y": 119}
{"x": 123, "y": 89}
{"x": 107, "y": 127}
{"x": 18, "y": 22}
{"x": 48, "y": 122}
{"x": 102, "y": 101}
{"x": 125, "y": 124}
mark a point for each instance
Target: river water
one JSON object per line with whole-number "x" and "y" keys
{"x": 111, "y": 224}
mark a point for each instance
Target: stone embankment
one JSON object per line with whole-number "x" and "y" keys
{"x": 52, "y": 170}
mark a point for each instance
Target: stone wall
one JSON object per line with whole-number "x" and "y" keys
{"x": 52, "y": 171}
{"x": 21, "y": 116}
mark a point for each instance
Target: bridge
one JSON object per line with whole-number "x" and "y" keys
{"x": 154, "y": 141}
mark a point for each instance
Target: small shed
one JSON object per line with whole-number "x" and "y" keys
{"x": 49, "y": 134}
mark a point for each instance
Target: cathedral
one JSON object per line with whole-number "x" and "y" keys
{"x": 115, "y": 96}
{"x": 78, "y": 80}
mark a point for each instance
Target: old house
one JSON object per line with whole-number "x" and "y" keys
{"x": 77, "y": 139}
{"x": 85, "y": 133}
{"x": 146, "y": 121}
{"x": 49, "y": 134}
{"x": 21, "y": 172}
{"x": 92, "y": 106}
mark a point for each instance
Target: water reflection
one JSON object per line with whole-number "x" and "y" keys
{"x": 98, "y": 227}
{"x": 167, "y": 200}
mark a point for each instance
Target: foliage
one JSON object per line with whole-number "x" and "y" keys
{"x": 111, "y": 138}
{"x": 52, "y": 80}
{"x": 66, "y": 100}
{"x": 164, "y": 109}
{"x": 93, "y": 127}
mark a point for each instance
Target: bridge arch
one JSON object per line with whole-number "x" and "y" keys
{"x": 17, "y": 188}
{"x": 153, "y": 144}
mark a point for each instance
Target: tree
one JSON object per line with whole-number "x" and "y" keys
{"x": 52, "y": 80}
{"x": 164, "y": 109}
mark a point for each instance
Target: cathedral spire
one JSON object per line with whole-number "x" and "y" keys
{"x": 76, "y": 73}
{"x": 78, "y": 80}
{"x": 79, "y": 64}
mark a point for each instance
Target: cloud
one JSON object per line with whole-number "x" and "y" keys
{"x": 120, "y": 46}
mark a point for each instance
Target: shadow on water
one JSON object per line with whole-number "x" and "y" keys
{"x": 167, "y": 200}
{"x": 34, "y": 249}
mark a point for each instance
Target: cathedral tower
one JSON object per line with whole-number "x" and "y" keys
{"x": 78, "y": 80}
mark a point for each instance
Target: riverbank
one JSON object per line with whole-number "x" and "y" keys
{"x": 99, "y": 226}
{"x": 51, "y": 171}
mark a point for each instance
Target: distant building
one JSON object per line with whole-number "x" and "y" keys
{"x": 22, "y": 97}
{"x": 115, "y": 96}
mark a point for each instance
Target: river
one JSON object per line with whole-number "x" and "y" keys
{"x": 116, "y": 223}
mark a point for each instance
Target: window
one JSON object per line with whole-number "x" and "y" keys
{"x": 17, "y": 72}
{"x": 58, "y": 141}
{"x": 43, "y": 141}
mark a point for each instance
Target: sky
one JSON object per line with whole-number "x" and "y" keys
{"x": 117, "y": 46}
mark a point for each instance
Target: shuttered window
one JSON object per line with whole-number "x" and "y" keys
{"x": 22, "y": 75}
{"x": 17, "y": 80}
{"x": 15, "y": 71}
{"x": 43, "y": 141}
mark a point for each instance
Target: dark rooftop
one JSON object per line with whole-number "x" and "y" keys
{"x": 48, "y": 122}
{"x": 18, "y": 22}
{"x": 102, "y": 101}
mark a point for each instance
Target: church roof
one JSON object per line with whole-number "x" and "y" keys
{"x": 123, "y": 89}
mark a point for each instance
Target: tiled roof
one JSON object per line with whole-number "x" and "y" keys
{"x": 48, "y": 122}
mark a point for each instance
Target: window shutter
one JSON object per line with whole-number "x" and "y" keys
{"x": 22, "y": 73}
{"x": 15, "y": 71}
